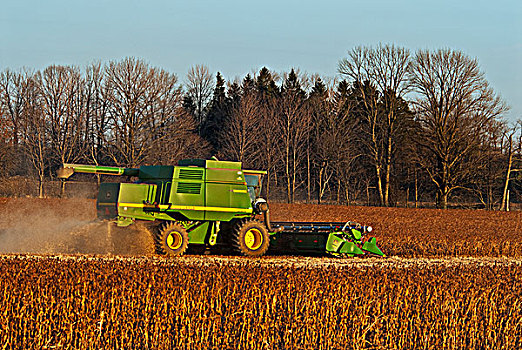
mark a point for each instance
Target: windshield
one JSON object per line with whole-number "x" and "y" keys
{"x": 253, "y": 186}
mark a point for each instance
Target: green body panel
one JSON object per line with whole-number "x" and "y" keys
{"x": 132, "y": 198}
{"x": 203, "y": 232}
{"x": 188, "y": 189}
{"x": 220, "y": 164}
{"x": 163, "y": 216}
{"x": 107, "y": 200}
{"x": 225, "y": 176}
{"x": 334, "y": 243}
{"x": 338, "y": 243}
{"x": 349, "y": 248}
{"x": 225, "y": 188}
{"x": 356, "y": 234}
{"x": 198, "y": 233}
{"x": 209, "y": 164}
{"x": 371, "y": 246}
{"x": 195, "y": 190}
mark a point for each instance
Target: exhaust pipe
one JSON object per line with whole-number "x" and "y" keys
{"x": 266, "y": 216}
{"x": 261, "y": 206}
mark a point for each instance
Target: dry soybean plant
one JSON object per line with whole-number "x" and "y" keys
{"x": 79, "y": 303}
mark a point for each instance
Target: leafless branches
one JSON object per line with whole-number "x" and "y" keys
{"x": 456, "y": 108}
{"x": 141, "y": 102}
{"x": 242, "y": 134}
{"x": 200, "y": 84}
{"x": 427, "y": 122}
{"x": 380, "y": 77}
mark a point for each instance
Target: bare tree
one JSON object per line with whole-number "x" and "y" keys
{"x": 380, "y": 76}
{"x": 6, "y": 139}
{"x": 294, "y": 123}
{"x": 200, "y": 86}
{"x": 12, "y": 99}
{"x": 141, "y": 100}
{"x": 96, "y": 110}
{"x": 242, "y": 131}
{"x": 323, "y": 142}
{"x": 35, "y": 136}
{"x": 489, "y": 156}
{"x": 510, "y": 137}
{"x": 14, "y": 88}
{"x": 26, "y": 126}
{"x": 178, "y": 140}
{"x": 63, "y": 108}
{"x": 456, "y": 107}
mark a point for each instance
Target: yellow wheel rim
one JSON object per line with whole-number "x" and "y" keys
{"x": 174, "y": 240}
{"x": 253, "y": 239}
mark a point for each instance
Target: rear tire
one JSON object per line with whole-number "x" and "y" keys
{"x": 172, "y": 239}
{"x": 250, "y": 238}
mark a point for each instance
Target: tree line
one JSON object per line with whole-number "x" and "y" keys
{"x": 394, "y": 127}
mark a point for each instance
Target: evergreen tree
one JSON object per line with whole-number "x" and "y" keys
{"x": 248, "y": 84}
{"x": 188, "y": 105}
{"x": 342, "y": 89}
{"x": 213, "y": 126}
{"x": 343, "y": 98}
{"x": 292, "y": 85}
{"x": 266, "y": 84}
{"x": 319, "y": 90}
{"x": 234, "y": 94}
{"x": 219, "y": 91}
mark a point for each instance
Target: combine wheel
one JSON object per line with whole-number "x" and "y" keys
{"x": 172, "y": 239}
{"x": 250, "y": 238}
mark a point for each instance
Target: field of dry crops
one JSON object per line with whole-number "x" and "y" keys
{"x": 218, "y": 303}
{"x": 453, "y": 281}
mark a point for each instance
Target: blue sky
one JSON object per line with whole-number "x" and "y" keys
{"x": 237, "y": 37}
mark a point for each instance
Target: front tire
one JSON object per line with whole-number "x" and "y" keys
{"x": 250, "y": 238}
{"x": 172, "y": 239}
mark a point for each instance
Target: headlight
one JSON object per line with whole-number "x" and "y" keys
{"x": 369, "y": 229}
{"x": 260, "y": 206}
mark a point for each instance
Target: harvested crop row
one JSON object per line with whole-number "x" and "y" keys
{"x": 206, "y": 303}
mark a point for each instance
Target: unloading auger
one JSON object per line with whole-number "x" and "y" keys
{"x": 211, "y": 202}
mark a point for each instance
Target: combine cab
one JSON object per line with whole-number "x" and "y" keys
{"x": 209, "y": 202}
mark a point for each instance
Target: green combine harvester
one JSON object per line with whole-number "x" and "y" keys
{"x": 211, "y": 202}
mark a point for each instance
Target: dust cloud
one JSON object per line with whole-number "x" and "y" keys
{"x": 58, "y": 226}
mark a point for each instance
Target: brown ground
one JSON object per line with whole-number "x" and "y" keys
{"x": 423, "y": 232}
{"x": 33, "y": 225}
